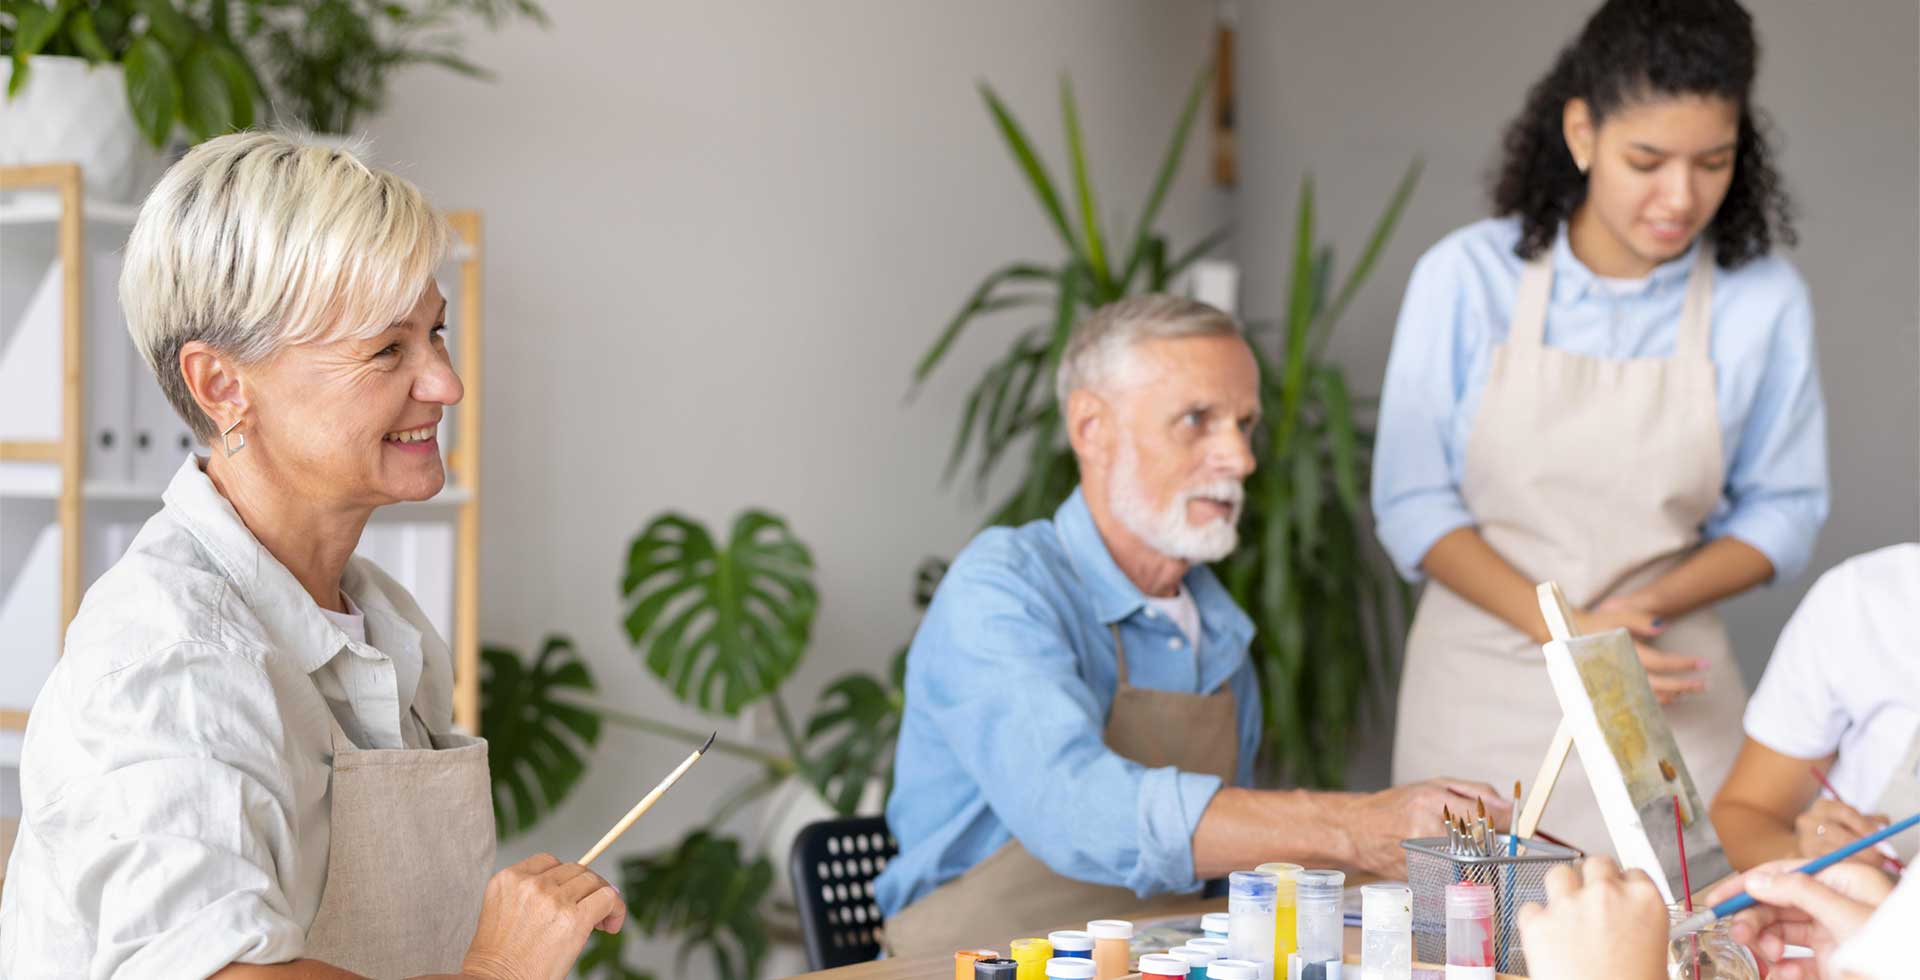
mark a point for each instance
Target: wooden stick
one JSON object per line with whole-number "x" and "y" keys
{"x": 1559, "y": 617}
{"x": 646, "y": 802}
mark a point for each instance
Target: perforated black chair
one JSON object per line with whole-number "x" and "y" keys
{"x": 833, "y": 866}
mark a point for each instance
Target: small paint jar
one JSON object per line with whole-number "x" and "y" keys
{"x": 1285, "y": 938}
{"x": 1196, "y": 958}
{"x": 1159, "y": 966}
{"x": 1070, "y": 968}
{"x": 1233, "y": 970}
{"x": 1112, "y": 948}
{"x": 996, "y": 968}
{"x": 1071, "y": 944}
{"x": 1386, "y": 932}
{"x": 964, "y": 959}
{"x": 1214, "y": 924}
{"x": 1220, "y": 948}
{"x": 1469, "y": 931}
{"x": 1250, "y": 911}
{"x": 1032, "y": 956}
{"x": 1322, "y": 932}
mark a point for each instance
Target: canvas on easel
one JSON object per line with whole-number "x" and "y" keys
{"x": 1622, "y": 736}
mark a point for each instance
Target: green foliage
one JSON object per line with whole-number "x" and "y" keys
{"x": 184, "y": 66}
{"x": 721, "y": 628}
{"x": 708, "y": 893}
{"x": 537, "y": 740}
{"x": 331, "y": 62}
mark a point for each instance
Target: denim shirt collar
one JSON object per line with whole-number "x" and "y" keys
{"x": 1113, "y": 594}
{"x": 1572, "y": 280}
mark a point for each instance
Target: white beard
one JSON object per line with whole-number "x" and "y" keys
{"x": 1167, "y": 530}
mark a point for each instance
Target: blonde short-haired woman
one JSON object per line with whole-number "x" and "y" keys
{"x": 244, "y": 764}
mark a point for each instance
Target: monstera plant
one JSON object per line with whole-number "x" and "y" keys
{"x": 723, "y": 626}
{"x": 1307, "y": 570}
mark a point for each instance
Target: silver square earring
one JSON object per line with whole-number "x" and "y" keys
{"x": 226, "y": 438}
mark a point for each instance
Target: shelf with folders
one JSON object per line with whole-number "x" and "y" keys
{"x": 88, "y": 443}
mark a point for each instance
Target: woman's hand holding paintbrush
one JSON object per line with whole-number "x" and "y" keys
{"x": 537, "y": 915}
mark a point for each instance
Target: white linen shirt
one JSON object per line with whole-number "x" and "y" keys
{"x": 176, "y": 770}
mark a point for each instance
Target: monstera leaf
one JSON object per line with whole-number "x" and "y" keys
{"x": 705, "y": 891}
{"x": 721, "y": 628}
{"x": 852, "y": 732}
{"x": 603, "y": 958}
{"x": 537, "y": 742}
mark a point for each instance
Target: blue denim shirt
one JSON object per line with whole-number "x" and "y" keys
{"x": 1773, "y": 425}
{"x": 1009, "y": 682}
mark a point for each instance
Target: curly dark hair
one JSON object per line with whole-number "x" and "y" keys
{"x": 1630, "y": 51}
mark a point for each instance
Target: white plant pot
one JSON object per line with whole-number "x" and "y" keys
{"x": 73, "y": 112}
{"x": 788, "y": 810}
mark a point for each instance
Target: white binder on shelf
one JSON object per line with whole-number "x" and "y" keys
{"x": 30, "y": 365}
{"x": 161, "y": 438}
{"x": 109, "y": 394}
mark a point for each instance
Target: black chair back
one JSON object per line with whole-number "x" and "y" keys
{"x": 833, "y": 866}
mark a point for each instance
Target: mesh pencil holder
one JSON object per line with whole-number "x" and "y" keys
{"x": 1515, "y": 881}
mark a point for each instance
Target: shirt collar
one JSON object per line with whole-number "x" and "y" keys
{"x": 1113, "y": 594}
{"x": 288, "y": 614}
{"x": 1573, "y": 280}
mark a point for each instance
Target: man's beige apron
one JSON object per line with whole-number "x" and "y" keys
{"x": 1901, "y": 799}
{"x": 409, "y": 859}
{"x": 1012, "y": 893}
{"x": 1597, "y": 474}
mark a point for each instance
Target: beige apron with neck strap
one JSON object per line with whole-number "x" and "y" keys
{"x": 409, "y": 858}
{"x": 1597, "y": 474}
{"x": 1901, "y": 799}
{"x": 1013, "y": 894}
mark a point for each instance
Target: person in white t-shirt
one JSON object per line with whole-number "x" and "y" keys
{"x": 1841, "y": 695}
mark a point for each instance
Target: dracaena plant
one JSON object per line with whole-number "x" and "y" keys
{"x": 1307, "y": 570}
{"x": 722, "y": 624}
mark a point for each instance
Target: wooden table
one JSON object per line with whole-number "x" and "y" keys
{"x": 940, "y": 966}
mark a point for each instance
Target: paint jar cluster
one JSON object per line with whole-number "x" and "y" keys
{"x": 1283, "y": 922}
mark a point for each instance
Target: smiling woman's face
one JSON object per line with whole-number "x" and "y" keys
{"x": 353, "y": 422}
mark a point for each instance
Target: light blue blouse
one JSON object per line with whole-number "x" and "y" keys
{"x": 1458, "y": 302}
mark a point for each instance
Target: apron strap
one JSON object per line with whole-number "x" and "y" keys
{"x": 1528, "y": 326}
{"x": 1119, "y": 652}
{"x": 1695, "y": 339}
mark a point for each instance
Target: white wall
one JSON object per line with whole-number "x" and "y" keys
{"x": 1352, "y": 89}
{"x": 719, "y": 236}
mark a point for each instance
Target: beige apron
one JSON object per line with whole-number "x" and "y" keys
{"x": 1597, "y": 474}
{"x": 409, "y": 858}
{"x": 1901, "y": 799}
{"x": 1012, "y": 893}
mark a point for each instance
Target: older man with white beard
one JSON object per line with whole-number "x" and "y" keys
{"x": 1082, "y": 715}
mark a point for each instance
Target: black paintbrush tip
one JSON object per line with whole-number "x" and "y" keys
{"x": 704, "y": 746}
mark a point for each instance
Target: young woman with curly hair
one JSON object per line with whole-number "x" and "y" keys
{"x": 1610, "y": 384}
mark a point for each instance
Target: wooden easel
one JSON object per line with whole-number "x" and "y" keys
{"x": 1559, "y": 616}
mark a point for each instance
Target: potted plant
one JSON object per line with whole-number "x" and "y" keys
{"x": 329, "y": 63}
{"x": 723, "y": 625}
{"x": 105, "y": 83}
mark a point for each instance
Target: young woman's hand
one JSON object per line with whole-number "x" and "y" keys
{"x": 1819, "y": 912}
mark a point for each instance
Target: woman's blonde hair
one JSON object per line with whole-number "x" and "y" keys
{"x": 257, "y": 241}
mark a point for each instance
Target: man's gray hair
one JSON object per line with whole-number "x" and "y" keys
{"x": 1099, "y": 343}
